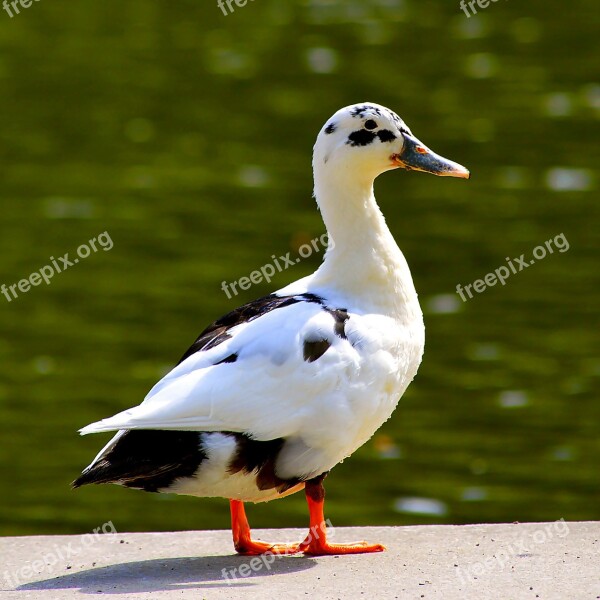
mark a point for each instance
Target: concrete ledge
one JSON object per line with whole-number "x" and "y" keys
{"x": 551, "y": 561}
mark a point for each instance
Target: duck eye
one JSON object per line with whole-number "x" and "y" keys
{"x": 370, "y": 124}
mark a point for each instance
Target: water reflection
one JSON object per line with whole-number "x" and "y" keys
{"x": 187, "y": 135}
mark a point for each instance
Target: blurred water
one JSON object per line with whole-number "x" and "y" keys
{"x": 187, "y": 135}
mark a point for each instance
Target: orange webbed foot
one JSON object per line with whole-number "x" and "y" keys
{"x": 319, "y": 548}
{"x": 315, "y": 544}
{"x": 242, "y": 540}
{"x": 253, "y": 547}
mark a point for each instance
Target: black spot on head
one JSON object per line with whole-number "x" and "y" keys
{"x": 398, "y": 122}
{"x": 330, "y": 128}
{"x": 395, "y": 117}
{"x": 359, "y": 111}
{"x": 362, "y": 137}
{"x": 385, "y": 135}
{"x": 370, "y": 124}
{"x": 314, "y": 350}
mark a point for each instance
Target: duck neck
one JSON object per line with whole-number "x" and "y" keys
{"x": 363, "y": 259}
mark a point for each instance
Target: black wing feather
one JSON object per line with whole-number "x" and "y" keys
{"x": 218, "y": 332}
{"x": 153, "y": 459}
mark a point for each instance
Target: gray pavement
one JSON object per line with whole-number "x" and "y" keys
{"x": 549, "y": 561}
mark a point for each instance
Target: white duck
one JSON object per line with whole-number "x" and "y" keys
{"x": 273, "y": 395}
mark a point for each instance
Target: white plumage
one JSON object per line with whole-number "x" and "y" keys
{"x": 333, "y": 405}
{"x": 322, "y": 363}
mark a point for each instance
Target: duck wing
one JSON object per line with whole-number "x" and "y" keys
{"x": 265, "y": 369}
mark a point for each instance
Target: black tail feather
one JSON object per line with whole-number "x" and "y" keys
{"x": 146, "y": 459}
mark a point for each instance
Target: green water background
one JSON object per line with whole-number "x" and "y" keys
{"x": 187, "y": 136}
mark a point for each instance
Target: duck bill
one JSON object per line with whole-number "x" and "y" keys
{"x": 415, "y": 156}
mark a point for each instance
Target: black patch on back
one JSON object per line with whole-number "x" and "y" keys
{"x": 341, "y": 316}
{"x": 212, "y": 336}
{"x": 362, "y": 137}
{"x": 330, "y": 128}
{"x": 228, "y": 359}
{"x": 259, "y": 458}
{"x": 217, "y": 332}
{"x": 309, "y": 297}
{"x": 385, "y": 135}
{"x": 152, "y": 460}
{"x": 314, "y": 350}
{"x": 147, "y": 460}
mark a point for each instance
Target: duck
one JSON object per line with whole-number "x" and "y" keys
{"x": 271, "y": 396}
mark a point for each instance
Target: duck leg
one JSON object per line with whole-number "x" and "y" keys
{"x": 316, "y": 542}
{"x": 242, "y": 540}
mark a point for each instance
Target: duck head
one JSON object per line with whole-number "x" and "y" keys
{"x": 367, "y": 139}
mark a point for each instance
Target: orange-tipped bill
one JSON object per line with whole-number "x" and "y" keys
{"x": 415, "y": 156}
